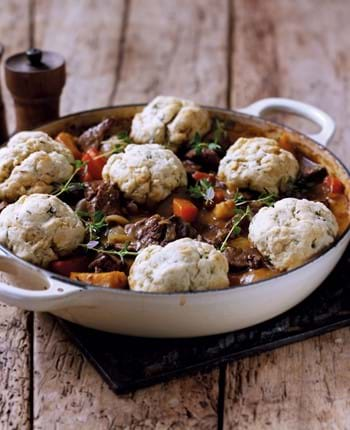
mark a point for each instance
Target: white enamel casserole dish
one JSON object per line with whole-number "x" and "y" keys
{"x": 190, "y": 314}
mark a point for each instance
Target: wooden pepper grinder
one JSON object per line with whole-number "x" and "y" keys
{"x": 35, "y": 79}
{"x": 3, "y": 128}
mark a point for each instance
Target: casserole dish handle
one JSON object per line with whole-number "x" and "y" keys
{"x": 40, "y": 292}
{"x": 305, "y": 110}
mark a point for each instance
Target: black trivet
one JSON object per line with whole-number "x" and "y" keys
{"x": 128, "y": 363}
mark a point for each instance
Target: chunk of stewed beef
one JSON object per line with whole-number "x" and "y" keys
{"x": 93, "y": 136}
{"x": 102, "y": 196}
{"x": 243, "y": 259}
{"x": 106, "y": 263}
{"x": 207, "y": 158}
{"x": 157, "y": 230}
{"x": 311, "y": 171}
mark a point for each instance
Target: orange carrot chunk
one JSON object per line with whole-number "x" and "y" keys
{"x": 185, "y": 209}
{"x": 68, "y": 140}
{"x": 104, "y": 279}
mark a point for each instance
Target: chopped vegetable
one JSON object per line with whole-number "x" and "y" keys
{"x": 73, "y": 264}
{"x": 224, "y": 210}
{"x": 69, "y": 141}
{"x": 185, "y": 209}
{"x": 105, "y": 279}
{"x": 334, "y": 184}
{"x": 197, "y": 176}
{"x": 95, "y": 162}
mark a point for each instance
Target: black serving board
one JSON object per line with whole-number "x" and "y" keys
{"x": 128, "y": 363}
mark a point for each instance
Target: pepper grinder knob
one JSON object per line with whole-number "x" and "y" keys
{"x": 35, "y": 80}
{"x": 34, "y": 57}
{"x": 3, "y": 127}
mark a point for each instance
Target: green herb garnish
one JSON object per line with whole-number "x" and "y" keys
{"x": 203, "y": 190}
{"x": 69, "y": 186}
{"x": 197, "y": 145}
{"x": 268, "y": 199}
{"x": 122, "y": 253}
{"x": 239, "y": 216}
{"x": 94, "y": 225}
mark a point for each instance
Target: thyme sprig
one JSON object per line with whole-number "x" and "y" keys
{"x": 95, "y": 225}
{"x": 239, "y": 216}
{"x": 267, "y": 199}
{"x": 122, "y": 253}
{"x": 69, "y": 185}
{"x": 203, "y": 189}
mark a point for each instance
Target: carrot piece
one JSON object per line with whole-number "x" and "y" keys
{"x": 68, "y": 140}
{"x": 185, "y": 209}
{"x": 334, "y": 184}
{"x": 104, "y": 279}
{"x": 94, "y": 163}
{"x": 197, "y": 176}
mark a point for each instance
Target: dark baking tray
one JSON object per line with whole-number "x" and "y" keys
{"x": 128, "y": 363}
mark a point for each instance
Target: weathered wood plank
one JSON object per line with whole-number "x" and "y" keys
{"x": 67, "y": 391}
{"x": 302, "y": 386}
{"x": 288, "y": 49}
{"x": 298, "y": 49}
{"x": 87, "y": 34}
{"x": 15, "y": 325}
{"x": 175, "y": 47}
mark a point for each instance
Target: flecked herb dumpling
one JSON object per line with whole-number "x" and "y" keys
{"x": 40, "y": 228}
{"x": 169, "y": 121}
{"x": 145, "y": 173}
{"x": 183, "y": 265}
{"x": 259, "y": 164}
{"x": 33, "y": 162}
{"x": 292, "y": 231}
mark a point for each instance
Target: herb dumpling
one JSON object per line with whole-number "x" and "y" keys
{"x": 145, "y": 173}
{"x": 40, "y": 228}
{"x": 259, "y": 164}
{"x": 292, "y": 231}
{"x": 33, "y": 162}
{"x": 181, "y": 266}
{"x": 169, "y": 121}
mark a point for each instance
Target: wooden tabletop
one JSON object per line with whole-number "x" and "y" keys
{"x": 223, "y": 53}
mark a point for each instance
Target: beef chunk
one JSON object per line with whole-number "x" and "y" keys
{"x": 207, "y": 158}
{"x": 310, "y": 171}
{"x": 242, "y": 259}
{"x": 158, "y": 230}
{"x": 101, "y": 196}
{"x": 191, "y": 166}
{"x": 93, "y": 136}
{"x": 106, "y": 263}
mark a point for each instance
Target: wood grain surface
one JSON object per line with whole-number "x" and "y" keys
{"x": 224, "y": 53}
{"x": 302, "y": 386}
{"x": 15, "y": 325}
{"x": 67, "y": 390}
